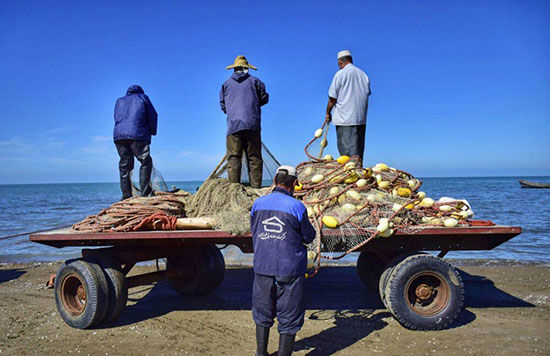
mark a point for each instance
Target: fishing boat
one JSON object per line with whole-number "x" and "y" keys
{"x": 527, "y": 184}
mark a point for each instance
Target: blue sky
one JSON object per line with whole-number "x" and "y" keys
{"x": 460, "y": 88}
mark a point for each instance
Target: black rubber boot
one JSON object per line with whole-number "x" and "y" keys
{"x": 262, "y": 337}
{"x": 286, "y": 343}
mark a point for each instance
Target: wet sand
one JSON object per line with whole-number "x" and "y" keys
{"x": 507, "y": 311}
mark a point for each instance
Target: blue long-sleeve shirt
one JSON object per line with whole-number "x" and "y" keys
{"x": 135, "y": 116}
{"x": 241, "y": 98}
{"x": 280, "y": 228}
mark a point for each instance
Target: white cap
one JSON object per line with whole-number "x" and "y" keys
{"x": 291, "y": 171}
{"x": 344, "y": 53}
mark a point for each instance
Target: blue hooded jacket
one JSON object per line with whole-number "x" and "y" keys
{"x": 135, "y": 116}
{"x": 241, "y": 97}
{"x": 280, "y": 228}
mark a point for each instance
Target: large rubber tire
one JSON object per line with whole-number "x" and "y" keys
{"x": 424, "y": 292}
{"x": 369, "y": 269}
{"x": 116, "y": 283}
{"x": 204, "y": 269}
{"x": 388, "y": 269}
{"x": 81, "y": 294}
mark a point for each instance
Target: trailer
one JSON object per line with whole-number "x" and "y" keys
{"x": 422, "y": 291}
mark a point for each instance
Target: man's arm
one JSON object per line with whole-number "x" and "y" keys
{"x": 222, "y": 100}
{"x": 308, "y": 232}
{"x": 262, "y": 94}
{"x": 330, "y": 105}
{"x": 152, "y": 115}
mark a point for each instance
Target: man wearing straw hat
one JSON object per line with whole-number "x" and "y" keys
{"x": 349, "y": 95}
{"x": 241, "y": 98}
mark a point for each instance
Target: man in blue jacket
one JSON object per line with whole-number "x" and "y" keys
{"x": 241, "y": 98}
{"x": 280, "y": 228}
{"x": 135, "y": 122}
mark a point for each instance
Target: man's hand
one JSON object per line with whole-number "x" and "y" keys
{"x": 328, "y": 117}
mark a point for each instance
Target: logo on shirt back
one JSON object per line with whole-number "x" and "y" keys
{"x": 272, "y": 227}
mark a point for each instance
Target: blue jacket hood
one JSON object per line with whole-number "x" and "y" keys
{"x": 134, "y": 89}
{"x": 239, "y": 76}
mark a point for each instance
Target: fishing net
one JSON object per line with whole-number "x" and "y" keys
{"x": 156, "y": 182}
{"x": 349, "y": 204}
{"x": 270, "y": 165}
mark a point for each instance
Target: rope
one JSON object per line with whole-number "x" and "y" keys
{"x": 35, "y": 232}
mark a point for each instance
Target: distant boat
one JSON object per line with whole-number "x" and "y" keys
{"x": 527, "y": 184}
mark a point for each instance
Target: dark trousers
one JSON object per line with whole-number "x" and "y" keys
{"x": 281, "y": 297}
{"x": 127, "y": 150}
{"x": 250, "y": 142}
{"x": 351, "y": 140}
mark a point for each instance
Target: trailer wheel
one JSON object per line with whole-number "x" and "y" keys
{"x": 203, "y": 270}
{"x": 369, "y": 269}
{"x": 80, "y": 294}
{"x": 424, "y": 293}
{"x": 388, "y": 269}
{"x": 116, "y": 283}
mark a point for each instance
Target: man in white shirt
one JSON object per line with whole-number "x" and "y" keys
{"x": 348, "y": 95}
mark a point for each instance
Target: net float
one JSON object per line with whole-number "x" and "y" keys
{"x": 298, "y": 187}
{"x": 351, "y": 179}
{"x": 383, "y": 224}
{"x": 435, "y": 222}
{"x": 386, "y": 233}
{"x": 317, "y": 178}
{"x": 464, "y": 214}
{"x": 361, "y": 182}
{"x": 342, "y": 159}
{"x": 396, "y": 207}
{"x": 324, "y": 143}
{"x": 450, "y": 222}
{"x": 334, "y": 191}
{"x": 412, "y": 183}
{"x": 421, "y": 195}
{"x": 335, "y": 179}
{"x": 350, "y": 165}
{"x": 383, "y": 184}
{"x": 382, "y": 166}
{"x": 353, "y": 194}
{"x": 328, "y": 158}
{"x": 318, "y": 133}
{"x": 445, "y": 208}
{"x": 403, "y": 192}
{"x": 342, "y": 199}
{"x": 330, "y": 221}
{"x": 308, "y": 171}
{"x": 311, "y": 255}
{"x": 426, "y": 202}
{"x": 378, "y": 178}
{"x": 349, "y": 208}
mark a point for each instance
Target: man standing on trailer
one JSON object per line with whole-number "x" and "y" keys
{"x": 349, "y": 96}
{"x": 241, "y": 98}
{"x": 135, "y": 122}
{"x": 280, "y": 228}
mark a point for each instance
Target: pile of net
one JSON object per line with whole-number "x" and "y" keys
{"x": 349, "y": 204}
{"x": 159, "y": 212}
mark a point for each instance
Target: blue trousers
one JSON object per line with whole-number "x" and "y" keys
{"x": 281, "y": 297}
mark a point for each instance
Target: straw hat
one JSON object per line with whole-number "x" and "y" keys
{"x": 241, "y": 61}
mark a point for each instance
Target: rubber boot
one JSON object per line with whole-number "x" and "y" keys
{"x": 262, "y": 338}
{"x": 286, "y": 343}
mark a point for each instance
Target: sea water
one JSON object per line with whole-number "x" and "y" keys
{"x": 31, "y": 207}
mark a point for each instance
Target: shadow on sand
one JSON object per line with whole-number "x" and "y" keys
{"x": 7, "y": 275}
{"x": 336, "y": 292}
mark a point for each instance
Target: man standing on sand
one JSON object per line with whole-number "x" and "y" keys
{"x": 241, "y": 98}
{"x": 280, "y": 228}
{"x": 349, "y": 96}
{"x": 135, "y": 122}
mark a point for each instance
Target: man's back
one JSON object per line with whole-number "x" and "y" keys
{"x": 351, "y": 87}
{"x": 241, "y": 97}
{"x": 135, "y": 116}
{"x": 280, "y": 228}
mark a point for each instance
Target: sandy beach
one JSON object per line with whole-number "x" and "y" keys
{"x": 507, "y": 311}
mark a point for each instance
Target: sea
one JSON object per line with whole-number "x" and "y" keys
{"x": 27, "y": 208}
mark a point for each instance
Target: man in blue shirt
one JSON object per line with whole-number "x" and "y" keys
{"x": 280, "y": 228}
{"x": 135, "y": 122}
{"x": 241, "y": 98}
